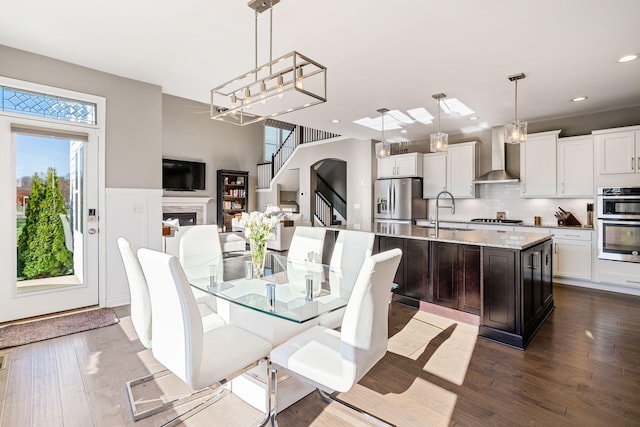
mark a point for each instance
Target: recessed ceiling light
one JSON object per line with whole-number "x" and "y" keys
{"x": 403, "y": 131}
{"x": 579, "y": 98}
{"x": 335, "y": 121}
{"x": 628, "y": 58}
{"x": 474, "y": 118}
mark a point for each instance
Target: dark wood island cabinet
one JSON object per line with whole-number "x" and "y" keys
{"x": 504, "y": 280}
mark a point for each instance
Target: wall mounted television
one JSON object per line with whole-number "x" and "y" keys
{"x": 182, "y": 175}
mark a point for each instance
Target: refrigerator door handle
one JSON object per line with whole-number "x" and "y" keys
{"x": 393, "y": 194}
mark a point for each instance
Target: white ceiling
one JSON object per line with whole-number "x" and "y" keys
{"x": 392, "y": 54}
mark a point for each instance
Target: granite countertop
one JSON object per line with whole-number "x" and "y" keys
{"x": 490, "y": 238}
{"x": 429, "y": 223}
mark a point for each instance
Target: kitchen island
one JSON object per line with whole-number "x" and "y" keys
{"x": 502, "y": 279}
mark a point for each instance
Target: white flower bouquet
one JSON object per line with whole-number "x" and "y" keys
{"x": 258, "y": 227}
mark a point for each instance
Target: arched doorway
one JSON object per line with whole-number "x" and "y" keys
{"x": 329, "y": 186}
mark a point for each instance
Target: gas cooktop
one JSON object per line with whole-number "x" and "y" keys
{"x": 502, "y": 221}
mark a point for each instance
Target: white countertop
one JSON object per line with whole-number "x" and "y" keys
{"x": 491, "y": 238}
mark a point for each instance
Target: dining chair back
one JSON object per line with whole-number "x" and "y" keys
{"x": 200, "y": 252}
{"x": 350, "y": 251}
{"x": 305, "y": 255}
{"x": 140, "y": 302}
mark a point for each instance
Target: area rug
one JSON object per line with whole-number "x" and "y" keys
{"x": 38, "y": 330}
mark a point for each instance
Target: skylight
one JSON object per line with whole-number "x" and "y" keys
{"x": 421, "y": 115}
{"x": 455, "y": 106}
{"x": 376, "y": 123}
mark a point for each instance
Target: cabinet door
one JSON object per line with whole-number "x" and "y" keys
{"x": 416, "y": 276}
{"x": 572, "y": 259}
{"x": 499, "y": 289}
{"x": 387, "y": 243}
{"x": 469, "y": 279}
{"x": 386, "y": 167}
{"x": 462, "y": 171}
{"x": 616, "y": 153}
{"x": 444, "y": 279}
{"x": 435, "y": 175}
{"x": 575, "y": 167}
{"x": 538, "y": 165}
{"x": 407, "y": 165}
{"x": 531, "y": 287}
{"x": 547, "y": 274}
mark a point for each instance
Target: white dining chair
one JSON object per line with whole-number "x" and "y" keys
{"x": 336, "y": 361}
{"x": 350, "y": 251}
{"x": 142, "y": 321}
{"x": 200, "y": 252}
{"x": 198, "y": 357}
{"x": 305, "y": 255}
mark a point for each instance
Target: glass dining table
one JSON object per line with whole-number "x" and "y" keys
{"x": 293, "y": 290}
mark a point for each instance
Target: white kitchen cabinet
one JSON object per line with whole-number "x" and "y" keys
{"x": 453, "y": 171}
{"x": 400, "y": 166}
{"x": 435, "y": 174}
{"x": 575, "y": 167}
{"x": 572, "y": 254}
{"x": 538, "y": 165}
{"x": 618, "y": 152}
{"x": 461, "y": 170}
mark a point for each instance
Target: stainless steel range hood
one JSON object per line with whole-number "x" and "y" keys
{"x": 498, "y": 173}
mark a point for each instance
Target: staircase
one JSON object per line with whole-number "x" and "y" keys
{"x": 325, "y": 211}
{"x": 298, "y": 135}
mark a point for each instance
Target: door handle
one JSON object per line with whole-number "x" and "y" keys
{"x": 92, "y": 231}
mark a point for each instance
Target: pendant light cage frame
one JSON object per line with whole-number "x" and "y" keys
{"x": 288, "y": 83}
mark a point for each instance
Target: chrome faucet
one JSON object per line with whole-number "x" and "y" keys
{"x": 452, "y": 207}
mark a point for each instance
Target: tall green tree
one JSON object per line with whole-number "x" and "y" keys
{"x": 46, "y": 254}
{"x": 32, "y": 213}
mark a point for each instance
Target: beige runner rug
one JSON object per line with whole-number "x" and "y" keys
{"x": 38, "y": 330}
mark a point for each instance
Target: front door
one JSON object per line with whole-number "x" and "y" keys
{"x": 49, "y": 187}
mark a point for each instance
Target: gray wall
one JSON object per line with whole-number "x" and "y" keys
{"x": 189, "y": 134}
{"x": 134, "y": 113}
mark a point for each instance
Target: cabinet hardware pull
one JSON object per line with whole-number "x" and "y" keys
{"x": 633, "y": 281}
{"x": 573, "y": 235}
{"x": 563, "y": 188}
{"x": 638, "y": 162}
{"x": 555, "y": 248}
{"x": 632, "y": 164}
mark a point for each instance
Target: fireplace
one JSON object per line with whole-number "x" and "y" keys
{"x": 188, "y": 210}
{"x": 184, "y": 218}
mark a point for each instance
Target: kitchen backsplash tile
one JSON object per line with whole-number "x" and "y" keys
{"x": 491, "y": 198}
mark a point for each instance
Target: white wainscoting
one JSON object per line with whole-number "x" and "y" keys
{"x": 135, "y": 214}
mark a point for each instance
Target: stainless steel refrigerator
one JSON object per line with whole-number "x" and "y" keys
{"x": 399, "y": 200}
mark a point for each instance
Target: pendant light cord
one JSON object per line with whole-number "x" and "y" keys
{"x": 516, "y": 120}
{"x": 382, "y": 128}
{"x": 438, "y": 115}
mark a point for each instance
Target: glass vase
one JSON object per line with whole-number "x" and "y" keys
{"x": 258, "y": 255}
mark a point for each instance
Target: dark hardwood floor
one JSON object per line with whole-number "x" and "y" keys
{"x": 581, "y": 369}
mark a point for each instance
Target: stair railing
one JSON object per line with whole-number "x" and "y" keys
{"x": 323, "y": 210}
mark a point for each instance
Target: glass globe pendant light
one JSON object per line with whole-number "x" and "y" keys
{"x": 515, "y": 132}
{"x": 439, "y": 140}
{"x": 383, "y": 149}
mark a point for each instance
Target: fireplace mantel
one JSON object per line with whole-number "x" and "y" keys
{"x": 187, "y": 204}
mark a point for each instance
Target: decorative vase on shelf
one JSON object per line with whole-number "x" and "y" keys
{"x": 258, "y": 255}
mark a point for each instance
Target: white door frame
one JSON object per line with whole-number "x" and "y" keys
{"x": 95, "y": 131}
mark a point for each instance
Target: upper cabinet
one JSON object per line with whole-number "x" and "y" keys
{"x": 575, "y": 166}
{"x": 618, "y": 152}
{"x": 538, "y": 165}
{"x": 462, "y": 169}
{"x": 435, "y": 175}
{"x": 400, "y": 166}
{"x": 556, "y": 167}
{"x": 453, "y": 171}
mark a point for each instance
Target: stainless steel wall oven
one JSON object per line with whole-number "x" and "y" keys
{"x": 619, "y": 223}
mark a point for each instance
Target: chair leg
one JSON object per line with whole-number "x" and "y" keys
{"x": 167, "y": 405}
{"x": 272, "y": 397}
{"x": 221, "y": 392}
{"x": 367, "y": 416}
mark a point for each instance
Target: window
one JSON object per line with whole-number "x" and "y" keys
{"x": 48, "y": 106}
{"x": 275, "y": 133}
